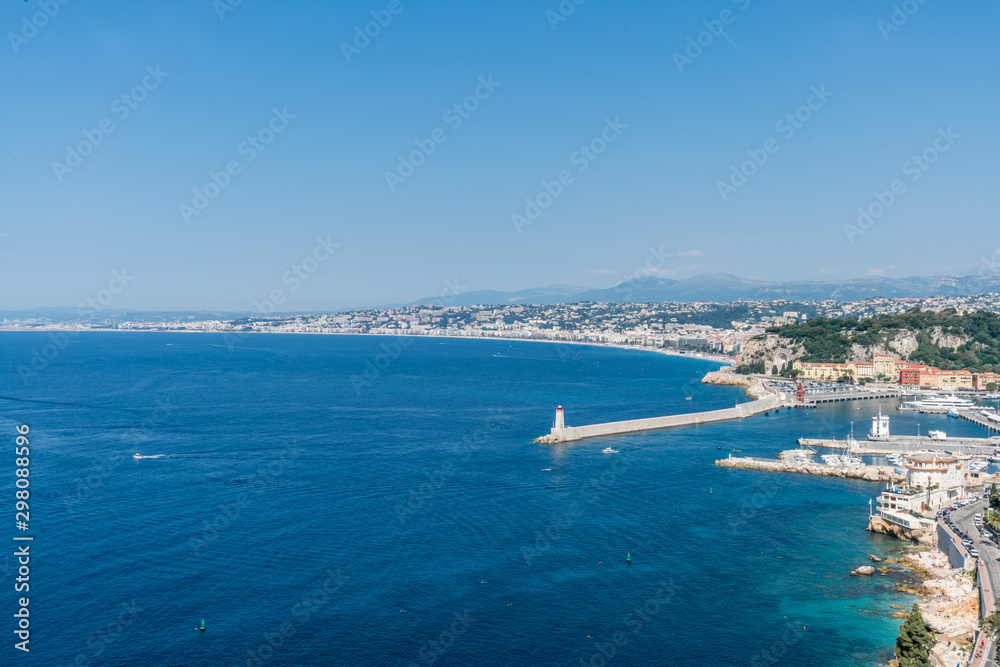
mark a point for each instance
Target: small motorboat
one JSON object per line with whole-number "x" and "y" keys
{"x": 137, "y": 456}
{"x": 608, "y": 450}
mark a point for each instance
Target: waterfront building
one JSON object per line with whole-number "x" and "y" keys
{"x": 934, "y": 378}
{"x": 830, "y": 372}
{"x": 981, "y": 380}
{"x": 882, "y": 366}
{"x": 933, "y": 480}
{"x": 909, "y": 376}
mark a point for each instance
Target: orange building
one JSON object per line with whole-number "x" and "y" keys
{"x": 980, "y": 380}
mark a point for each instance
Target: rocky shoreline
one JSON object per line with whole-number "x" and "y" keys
{"x": 949, "y": 604}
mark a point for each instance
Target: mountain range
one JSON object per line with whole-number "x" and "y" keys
{"x": 727, "y": 287}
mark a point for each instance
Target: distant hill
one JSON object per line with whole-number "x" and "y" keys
{"x": 942, "y": 339}
{"x": 727, "y": 287}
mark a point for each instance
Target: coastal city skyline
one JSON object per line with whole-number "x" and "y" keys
{"x": 693, "y": 132}
{"x": 520, "y": 334}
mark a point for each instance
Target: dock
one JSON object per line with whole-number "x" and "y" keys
{"x": 977, "y": 418}
{"x": 812, "y": 400}
{"x": 562, "y": 433}
{"x": 900, "y": 444}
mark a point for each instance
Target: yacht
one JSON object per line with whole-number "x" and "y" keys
{"x": 137, "y": 455}
{"x": 608, "y": 450}
{"x": 940, "y": 403}
{"x": 953, "y": 412}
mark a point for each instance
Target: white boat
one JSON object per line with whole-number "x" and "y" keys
{"x": 940, "y": 403}
{"x": 137, "y": 455}
{"x": 953, "y": 412}
{"x": 608, "y": 450}
{"x": 894, "y": 459}
{"x": 852, "y": 461}
{"x": 831, "y": 459}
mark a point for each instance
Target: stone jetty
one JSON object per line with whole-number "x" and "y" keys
{"x": 869, "y": 473}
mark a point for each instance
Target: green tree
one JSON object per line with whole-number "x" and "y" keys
{"x": 994, "y": 497}
{"x": 991, "y": 624}
{"x": 913, "y": 647}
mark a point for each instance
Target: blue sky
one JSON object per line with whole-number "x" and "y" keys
{"x": 555, "y": 86}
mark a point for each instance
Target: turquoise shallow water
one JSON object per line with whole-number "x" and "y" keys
{"x": 316, "y": 516}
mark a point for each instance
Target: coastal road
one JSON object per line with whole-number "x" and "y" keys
{"x": 989, "y": 557}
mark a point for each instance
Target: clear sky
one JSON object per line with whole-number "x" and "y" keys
{"x": 199, "y": 79}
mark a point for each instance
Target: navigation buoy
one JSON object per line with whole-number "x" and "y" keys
{"x": 628, "y": 557}
{"x": 202, "y": 628}
{"x": 710, "y": 491}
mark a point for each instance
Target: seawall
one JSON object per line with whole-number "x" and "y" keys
{"x": 869, "y": 473}
{"x": 741, "y": 411}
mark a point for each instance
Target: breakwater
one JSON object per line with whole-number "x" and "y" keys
{"x": 869, "y": 473}
{"x": 561, "y": 433}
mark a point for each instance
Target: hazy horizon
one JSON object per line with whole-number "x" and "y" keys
{"x": 220, "y": 151}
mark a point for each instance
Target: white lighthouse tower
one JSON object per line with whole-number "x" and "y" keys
{"x": 560, "y": 419}
{"x": 880, "y": 427}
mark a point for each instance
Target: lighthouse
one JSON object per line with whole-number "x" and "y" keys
{"x": 560, "y": 419}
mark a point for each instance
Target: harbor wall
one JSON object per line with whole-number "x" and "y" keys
{"x": 951, "y": 545}
{"x": 741, "y": 411}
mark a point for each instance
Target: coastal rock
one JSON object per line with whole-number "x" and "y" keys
{"x": 864, "y": 569}
{"x": 896, "y": 606}
{"x": 875, "y": 558}
{"x": 728, "y": 378}
{"x": 877, "y": 524}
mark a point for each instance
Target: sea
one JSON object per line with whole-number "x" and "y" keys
{"x": 373, "y": 500}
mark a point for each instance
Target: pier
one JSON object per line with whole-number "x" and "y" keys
{"x": 901, "y": 444}
{"x": 977, "y": 418}
{"x": 562, "y": 433}
{"x": 812, "y": 400}
{"x": 869, "y": 473}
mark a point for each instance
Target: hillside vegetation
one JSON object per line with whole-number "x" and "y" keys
{"x": 943, "y": 339}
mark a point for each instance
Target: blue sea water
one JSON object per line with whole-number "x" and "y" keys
{"x": 326, "y": 500}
